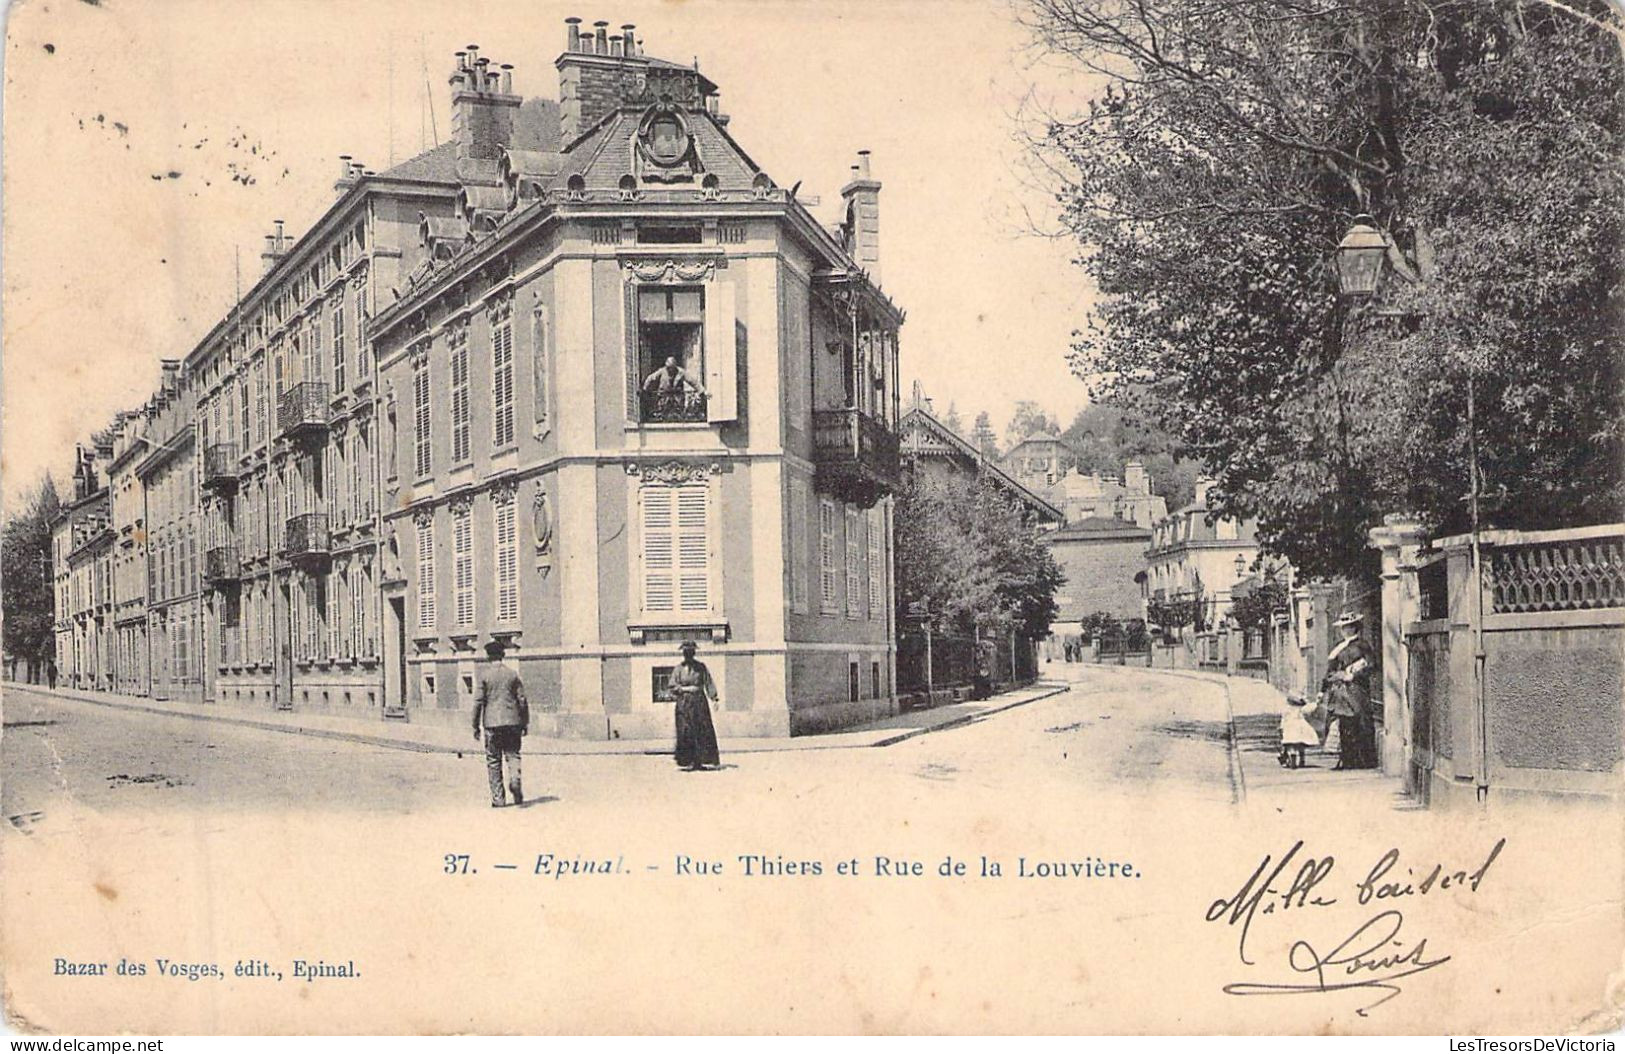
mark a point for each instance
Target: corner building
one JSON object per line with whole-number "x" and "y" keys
{"x": 548, "y": 481}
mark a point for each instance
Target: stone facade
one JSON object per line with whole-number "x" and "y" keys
{"x": 427, "y": 426}
{"x": 1103, "y": 561}
{"x": 545, "y": 488}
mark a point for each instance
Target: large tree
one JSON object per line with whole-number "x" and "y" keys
{"x": 970, "y": 558}
{"x": 25, "y": 571}
{"x": 1226, "y": 148}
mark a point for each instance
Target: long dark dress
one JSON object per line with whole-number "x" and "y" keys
{"x": 692, "y": 687}
{"x": 1350, "y": 702}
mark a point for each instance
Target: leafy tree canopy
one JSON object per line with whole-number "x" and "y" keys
{"x": 25, "y": 566}
{"x": 1229, "y": 147}
{"x": 971, "y": 558}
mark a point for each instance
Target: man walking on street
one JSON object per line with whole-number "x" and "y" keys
{"x": 502, "y": 712}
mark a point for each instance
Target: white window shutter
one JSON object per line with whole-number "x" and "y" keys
{"x": 722, "y": 397}
{"x": 659, "y": 585}
{"x": 693, "y": 549}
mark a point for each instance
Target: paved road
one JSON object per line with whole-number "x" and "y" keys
{"x": 1114, "y": 733}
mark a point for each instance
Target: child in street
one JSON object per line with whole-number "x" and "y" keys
{"x": 1296, "y": 732}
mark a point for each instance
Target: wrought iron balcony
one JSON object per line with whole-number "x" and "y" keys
{"x": 220, "y": 466}
{"x": 855, "y": 455}
{"x": 222, "y": 565}
{"x": 674, "y": 407}
{"x": 307, "y": 541}
{"x": 303, "y": 409}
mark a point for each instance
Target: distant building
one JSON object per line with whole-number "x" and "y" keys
{"x": 1191, "y": 558}
{"x": 81, "y": 563}
{"x": 931, "y": 447}
{"x": 1040, "y": 460}
{"x": 1049, "y": 465}
{"x": 1103, "y": 560}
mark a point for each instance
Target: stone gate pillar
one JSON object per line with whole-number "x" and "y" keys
{"x": 1398, "y": 539}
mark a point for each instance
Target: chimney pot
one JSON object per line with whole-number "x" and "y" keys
{"x": 572, "y": 34}
{"x": 507, "y": 78}
{"x": 462, "y": 60}
{"x": 601, "y": 37}
{"x": 863, "y": 164}
{"x": 629, "y": 44}
{"x": 615, "y": 44}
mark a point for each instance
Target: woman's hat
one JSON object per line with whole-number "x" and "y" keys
{"x": 1296, "y": 700}
{"x": 688, "y": 645}
{"x": 1349, "y": 618}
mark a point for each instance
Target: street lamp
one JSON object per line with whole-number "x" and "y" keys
{"x": 1359, "y": 258}
{"x": 1359, "y": 263}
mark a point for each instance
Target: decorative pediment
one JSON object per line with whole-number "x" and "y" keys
{"x": 674, "y": 472}
{"x": 500, "y": 307}
{"x": 457, "y": 330}
{"x": 670, "y": 271}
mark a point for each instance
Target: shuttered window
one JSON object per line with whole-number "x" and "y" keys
{"x": 829, "y": 600}
{"x": 338, "y": 345}
{"x": 459, "y": 404}
{"x": 358, "y": 610}
{"x": 507, "y": 557}
{"x": 676, "y": 549}
{"x": 854, "y": 563}
{"x": 502, "y": 385}
{"x": 462, "y": 556}
{"x": 335, "y": 609}
{"x": 426, "y": 612}
{"x": 420, "y": 417}
{"x": 877, "y": 564}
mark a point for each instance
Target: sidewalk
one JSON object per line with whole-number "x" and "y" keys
{"x": 1254, "y": 708}
{"x": 437, "y": 739}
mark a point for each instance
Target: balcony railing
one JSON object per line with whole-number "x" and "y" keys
{"x": 222, "y": 565}
{"x": 307, "y": 539}
{"x": 856, "y": 455}
{"x": 220, "y": 466}
{"x": 673, "y": 407}
{"x": 304, "y": 409}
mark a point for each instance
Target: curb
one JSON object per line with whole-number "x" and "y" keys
{"x": 264, "y": 726}
{"x": 391, "y": 743}
{"x": 961, "y": 722}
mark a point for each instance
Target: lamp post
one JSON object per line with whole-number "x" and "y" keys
{"x": 1358, "y": 262}
{"x": 1359, "y": 259}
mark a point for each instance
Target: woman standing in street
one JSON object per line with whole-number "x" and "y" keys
{"x": 694, "y": 690}
{"x": 1348, "y": 696}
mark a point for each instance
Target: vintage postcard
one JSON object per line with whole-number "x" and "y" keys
{"x": 983, "y": 516}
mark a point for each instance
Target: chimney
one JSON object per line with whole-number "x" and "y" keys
{"x": 273, "y": 249}
{"x": 598, "y": 74}
{"x": 482, "y": 106}
{"x": 1135, "y": 480}
{"x": 346, "y": 178}
{"x": 862, "y": 198}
